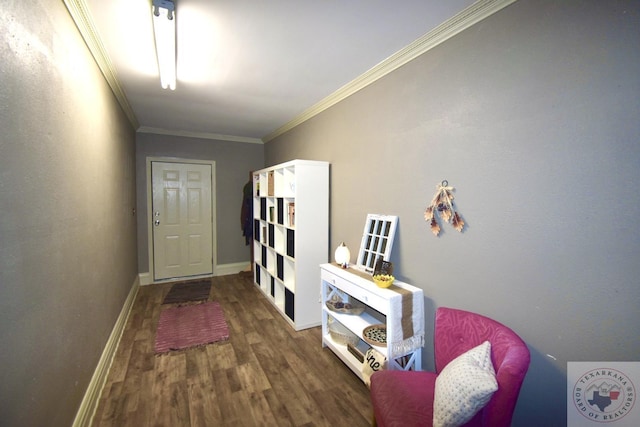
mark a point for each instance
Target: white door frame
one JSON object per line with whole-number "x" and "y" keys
{"x": 214, "y": 248}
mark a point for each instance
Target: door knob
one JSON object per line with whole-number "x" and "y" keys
{"x": 157, "y": 222}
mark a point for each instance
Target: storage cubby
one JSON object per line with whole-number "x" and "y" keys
{"x": 291, "y": 208}
{"x": 279, "y": 240}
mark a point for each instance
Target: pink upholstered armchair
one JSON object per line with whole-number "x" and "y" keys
{"x": 405, "y": 398}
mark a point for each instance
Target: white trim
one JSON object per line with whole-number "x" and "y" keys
{"x": 214, "y": 245}
{"x": 175, "y": 279}
{"x": 234, "y": 268}
{"x": 202, "y": 135}
{"x": 478, "y": 11}
{"x": 87, "y": 409}
{"x": 460, "y": 22}
{"x": 145, "y": 279}
{"x": 220, "y": 270}
{"x": 79, "y": 11}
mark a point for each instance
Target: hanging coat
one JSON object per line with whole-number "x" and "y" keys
{"x": 246, "y": 213}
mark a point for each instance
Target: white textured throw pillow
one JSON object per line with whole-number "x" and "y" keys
{"x": 464, "y": 387}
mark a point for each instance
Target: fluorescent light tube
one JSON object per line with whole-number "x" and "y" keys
{"x": 164, "y": 28}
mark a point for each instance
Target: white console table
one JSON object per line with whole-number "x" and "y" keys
{"x": 400, "y": 304}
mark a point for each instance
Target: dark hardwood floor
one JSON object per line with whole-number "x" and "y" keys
{"x": 266, "y": 374}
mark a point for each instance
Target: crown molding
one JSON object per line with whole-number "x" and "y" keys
{"x": 202, "y": 135}
{"x": 458, "y": 23}
{"x": 79, "y": 11}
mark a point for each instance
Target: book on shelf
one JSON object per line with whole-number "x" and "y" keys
{"x": 270, "y": 183}
{"x": 292, "y": 214}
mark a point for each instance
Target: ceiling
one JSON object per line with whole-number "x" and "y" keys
{"x": 246, "y": 68}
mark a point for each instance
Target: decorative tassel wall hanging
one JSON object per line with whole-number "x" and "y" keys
{"x": 442, "y": 205}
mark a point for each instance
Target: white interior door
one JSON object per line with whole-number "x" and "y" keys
{"x": 181, "y": 219}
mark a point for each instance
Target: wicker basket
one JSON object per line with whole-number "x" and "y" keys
{"x": 347, "y": 308}
{"x": 340, "y": 334}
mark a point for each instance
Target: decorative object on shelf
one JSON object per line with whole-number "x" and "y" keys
{"x": 340, "y": 334}
{"x": 375, "y": 335}
{"x": 442, "y": 205}
{"x": 383, "y": 280}
{"x": 377, "y": 241}
{"x": 357, "y": 352}
{"x": 338, "y": 306}
{"x": 383, "y": 267}
{"x": 343, "y": 255}
{"x": 374, "y": 361}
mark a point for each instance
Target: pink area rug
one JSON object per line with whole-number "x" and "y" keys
{"x": 189, "y": 326}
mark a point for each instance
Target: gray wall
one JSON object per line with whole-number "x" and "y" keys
{"x": 532, "y": 115}
{"x": 67, "y": 232}
{"x": 233, "y": 160}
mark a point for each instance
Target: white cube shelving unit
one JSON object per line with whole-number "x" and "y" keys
{"x": 291, "y": 237}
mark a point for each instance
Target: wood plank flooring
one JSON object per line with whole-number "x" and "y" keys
{"x": 266, "y": 374}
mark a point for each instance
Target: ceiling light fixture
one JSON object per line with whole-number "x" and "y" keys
{"x": 164, "y": 28}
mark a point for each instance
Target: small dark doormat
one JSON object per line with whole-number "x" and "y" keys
{"x": 189, "y": 291}
{"x": 188, "y": 326}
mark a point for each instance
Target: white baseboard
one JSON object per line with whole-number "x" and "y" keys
{"x": 84, "y": 416}
{"x": 145, "y": 279}
{"x": 218, "y": 270}
{"x": 235, "y": 268}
